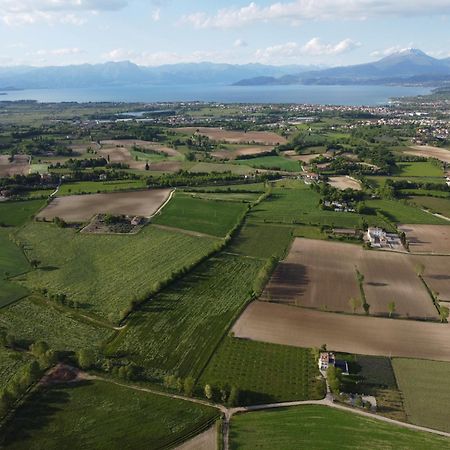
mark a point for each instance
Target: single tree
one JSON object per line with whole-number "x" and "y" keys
{"x": 233, "y": 399}
{"x": 443, "y": 313}
{"x": 86, "y": 358}
{"x": 355, "y": 303}
{"x": 391, "y": 308}
{"x": 188, "y": 386}
{"x": 208, "y": 392}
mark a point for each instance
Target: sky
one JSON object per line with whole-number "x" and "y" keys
{"x": 155, "y": 32}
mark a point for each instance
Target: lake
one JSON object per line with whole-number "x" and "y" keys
{"x": 331, "y": 95}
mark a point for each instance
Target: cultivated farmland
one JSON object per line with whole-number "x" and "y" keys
{"x": 436, "y": 205}
{"x": 213, "y": 217}
{"x": 233, "y": 153}
{"x": 102, "y": 415}
{"x": 15, "y": 214}
{"x": 271, "y": 163}
{"x": 283, "y": 324}
{"x": 427, "y": 238}
{"x": 319, "y": 427}
{"x": 237, "y": 137}
{"x": 10, "y": 364}
{"x": 427, "y": 151}
{"x": 180, "y": 328}
{"x": 426, "y": 400}
{"x": 80, "y": 208}
{"x": 105, "y": 273}
{"x": 264, "y": 373}
{"x": 323, "y": 275}
{"x": 19, "y": 166}
{"x": 32, "y": 320}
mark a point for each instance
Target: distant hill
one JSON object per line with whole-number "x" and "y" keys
{"x": 409, "y": 66}
{"x": 127, "y": 73}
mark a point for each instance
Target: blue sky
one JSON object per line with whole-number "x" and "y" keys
{"x": 153, "y": 32}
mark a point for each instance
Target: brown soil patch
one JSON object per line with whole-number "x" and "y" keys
{"x": 436, "y": 274}
{"x": 83, "y": 148}
{"x": 81, "y": 208}
{"x": 130, "y": 143}
{"x": 287, "y": 325}
{"x": 237, "y": 137}
{"x": 303, "y": 158}
{"x": 244, "y": 151}
{"x": 428, "y": 151}
{"x": 19, "y": 166}
{"x": 322, "y": 275}
{"x": 427, "y": 238}
{"x": 343, "y": 183}
{"x": 166, "y": 166}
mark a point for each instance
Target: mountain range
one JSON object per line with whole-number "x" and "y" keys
{"x": 409, "y": 66}
{"x": 126, "y": 73}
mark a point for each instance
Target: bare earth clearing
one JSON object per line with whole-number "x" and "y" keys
{"x": 322, "y": 275}
{"x": 80, "y": 208}
{"x": 282, "y": 324}
{"x": 19, "y": 166}
{"x": 428, "y": 151}
{"x": 427, "y": 238}
{"x": 237, "y": 137}
{"x": 83, "y": 148}
{"x": 344, "y": 183}
{"x": 244, "y": 151}
{"x": 121, "y": 155}
{"x": 204, "y": 441}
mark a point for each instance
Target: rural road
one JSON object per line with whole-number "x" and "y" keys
{"x": 229, "y": 412}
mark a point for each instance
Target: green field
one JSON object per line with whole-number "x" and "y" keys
{"x": 419, "y": 169}
{"x": 379, "y": 181}
{"x": 425, "y": 393}
{"x": 211, "y": 217}
{"x": 104, "y": 273}
{"x": 401, "y": 212}
{"x": 262, "y": 240}
{"x": 11, "y": 363}
{"x": 323, "y": 428}
{"x": 271, "y": 163}
{"x": 179, "y": 329}
{"x": 433, "y": 204}
{"x": 12, "y": 262}
{"x": 246, "y": 187}
{"x": 298, "y": 204}
{"x": 205, "y": 167}
{"x": 228, "y": 196}
{"x": 31, "y": 320}
{"x": 90, "y": 187}
{"x": 101, "y": 415}
{"x": 15, "y": 214}
{"x": 264, "y": 373}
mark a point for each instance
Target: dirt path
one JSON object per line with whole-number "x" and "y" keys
{"x": 229, "y": 412}
{"x": 437, "y": 215}
{"x": 183, "y": 231}
{"x": 204, "y": 441}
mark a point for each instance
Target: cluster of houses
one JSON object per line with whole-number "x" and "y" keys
{"x": 339, "y": 206}
{"x": 327, "y": 359}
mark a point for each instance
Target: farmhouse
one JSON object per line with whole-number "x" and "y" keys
{"x": 327, "y": 359}
{"x": 378, "y": 238}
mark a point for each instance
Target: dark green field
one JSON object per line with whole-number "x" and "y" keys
{"x": 15, "y": 214}
{"x": 100, "y": 415}
{"x": 91, "y": 187}
{"x": 211, "y": 217}
{"x": 179, "y": 329}
{"x": 433, "y": 204}
{"x": 264, "y": 373}
{"x": 323, "y": 428}
{"x": 271, "y": 163}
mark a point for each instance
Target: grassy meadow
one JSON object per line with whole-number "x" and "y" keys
{"x": 322, "y": 428}
{"x": 92, "y": 187}
{"x": 211, "y": 217}
{"x": 102, "y": 415}
{"x": 104, "y": 273}
{"x": 16, "y": 214}
{"x": 178, "y": 331}
{"x": 433, "y": 204}
{"x": 423, "y": 385}
{"x": 271, "y": 163}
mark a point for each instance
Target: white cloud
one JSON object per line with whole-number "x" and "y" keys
{"x": 390, "y": 50}
{"x": 302, "y": 10}
{"x": 60, "y": 52}
{"x": 156, "y": 15}
{"x": 26, "y": 12}
{"x": 282, "y": 53}
{"x": 240, "y": 43}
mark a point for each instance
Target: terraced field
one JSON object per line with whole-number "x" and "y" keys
{"x": 104, "y": 273}
{"x": 179, "y": 329}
